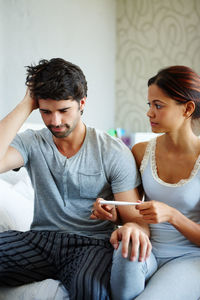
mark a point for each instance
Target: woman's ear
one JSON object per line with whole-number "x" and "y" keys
{"x": 189, "y": 109}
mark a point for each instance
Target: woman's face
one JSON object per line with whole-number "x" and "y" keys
{"x": 164, "y": 113}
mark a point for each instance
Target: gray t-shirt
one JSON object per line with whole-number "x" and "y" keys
{"x": 66, "y": 188}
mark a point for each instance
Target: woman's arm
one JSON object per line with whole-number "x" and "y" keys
{"x": 154, "y": 212}
{"x": 187, "y": 227}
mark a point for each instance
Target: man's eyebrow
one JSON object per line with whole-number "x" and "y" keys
{"x": 64, "y": 108}
{"x": 61, "y": 109}
{"x": 44, "y": 109}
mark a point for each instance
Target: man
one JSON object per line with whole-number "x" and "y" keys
{"x": 70, "y": 165}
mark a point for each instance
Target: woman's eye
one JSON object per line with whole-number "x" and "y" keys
{"x": 158, "y": 106}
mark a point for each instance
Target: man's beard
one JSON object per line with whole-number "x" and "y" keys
{"x": 63, "y": 133}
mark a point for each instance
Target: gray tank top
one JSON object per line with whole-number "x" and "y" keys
{"x": 184, "y": 196}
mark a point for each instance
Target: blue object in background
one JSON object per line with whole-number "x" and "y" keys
{"x": 121, "y": 134}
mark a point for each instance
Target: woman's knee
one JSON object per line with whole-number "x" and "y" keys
{"x": 127, "y": 277}
{"x": 174, "y": 281}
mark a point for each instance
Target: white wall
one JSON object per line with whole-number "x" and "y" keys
{"x": 151, "y": 35}
{"x": 81, "y": 31}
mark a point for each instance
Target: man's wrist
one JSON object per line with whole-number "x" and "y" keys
{"x": 118, "y": 221}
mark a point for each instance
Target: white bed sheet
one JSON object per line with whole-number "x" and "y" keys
{"x": 48, "y": 289}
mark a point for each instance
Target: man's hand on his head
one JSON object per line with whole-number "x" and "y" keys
{"x": 29, "y": 98}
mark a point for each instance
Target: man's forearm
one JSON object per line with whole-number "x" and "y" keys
{"x": 10, "y": 125}
{"x": 137, "y": 220}
{"x": 144, "y": 227}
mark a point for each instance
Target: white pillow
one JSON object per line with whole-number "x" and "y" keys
{"x": 21, "y": 182}
{"x": 24, "y": 187}
{"x": 16, "y": 211}
{"x": 14, "y": 176}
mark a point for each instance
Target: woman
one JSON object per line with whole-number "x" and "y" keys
{"x": 170, "y": 171}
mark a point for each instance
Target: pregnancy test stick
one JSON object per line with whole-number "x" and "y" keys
{"x": 119, "y": 202}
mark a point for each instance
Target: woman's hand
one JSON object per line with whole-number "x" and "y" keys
{"x": 132, "y": 232}
{"x": 104, "y": 212}
{"x": 154, "y": 212}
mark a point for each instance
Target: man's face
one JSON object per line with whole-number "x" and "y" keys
{"x": 61, "y": 117}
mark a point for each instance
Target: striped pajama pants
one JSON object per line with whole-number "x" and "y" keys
{"x": 82, "y": 264}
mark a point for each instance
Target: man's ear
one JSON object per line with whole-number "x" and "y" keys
{"x": 82, "y": 103}
{"x": 189, "y": 109}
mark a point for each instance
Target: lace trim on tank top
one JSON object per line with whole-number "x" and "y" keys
{"x": 150, "y": 153}
{"x": 146, "y": 156}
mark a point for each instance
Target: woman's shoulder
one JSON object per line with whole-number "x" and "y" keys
{"x": 138, "y": 151}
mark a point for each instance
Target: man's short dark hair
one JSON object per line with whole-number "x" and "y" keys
{"x": 56, "y": 79}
